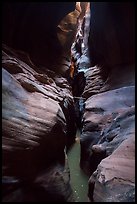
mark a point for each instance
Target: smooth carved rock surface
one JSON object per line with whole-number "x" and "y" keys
{"x": 34, "y": 130}
{"x": 103, "y": 127}
{"x": 114, "y": 179}
{"x": 20, "y": 109}
{"x": 109, "y": 94}
{"x": 109, "y": 132}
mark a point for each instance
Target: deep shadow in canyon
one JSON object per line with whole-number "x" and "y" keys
{"x": 32, "y": 27}
{"x": 66, "y": 67}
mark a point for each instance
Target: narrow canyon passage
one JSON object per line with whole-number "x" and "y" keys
{"x": 68, "y": 102}
{"x": 79, "y": 64}
{"x": 78, "y": 179}
{"x": 89, "y": 79}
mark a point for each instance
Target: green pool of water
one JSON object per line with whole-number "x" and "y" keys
{"x": 79, "y": 181}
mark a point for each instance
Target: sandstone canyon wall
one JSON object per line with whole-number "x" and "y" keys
{"x": 39, "y": 109}
{"x": 108, "y": 123}
{"x": 38, "y": 121}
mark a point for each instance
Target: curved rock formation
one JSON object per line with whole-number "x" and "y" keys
{"x": 34, "y": 132}
{"x": 102, "y": 124}
{"x": 39, "y": 111}
{"x": 107, "y": 139}
{"x": 114, "y": 179}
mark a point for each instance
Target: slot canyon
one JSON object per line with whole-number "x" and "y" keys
{"x": 68, "y": 102}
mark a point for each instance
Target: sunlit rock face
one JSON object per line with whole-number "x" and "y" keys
{"x": 32, "y": 27}
{"x": 67, "y": 31}
{"x": 36, "y": 124}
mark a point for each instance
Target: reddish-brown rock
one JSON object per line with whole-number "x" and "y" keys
{"x": 35, "y": 108}
{"x": 102, "y": 111}
{"x": 114, "y": 179}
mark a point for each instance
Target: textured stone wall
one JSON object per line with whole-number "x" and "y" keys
{"x": 37, "y": 125}
{"x": 108, "y": 133}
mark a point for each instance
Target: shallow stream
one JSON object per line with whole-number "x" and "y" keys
{"x": 78, "y": 180}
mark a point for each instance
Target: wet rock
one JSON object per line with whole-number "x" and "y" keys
{"x": 99, "y": 148}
